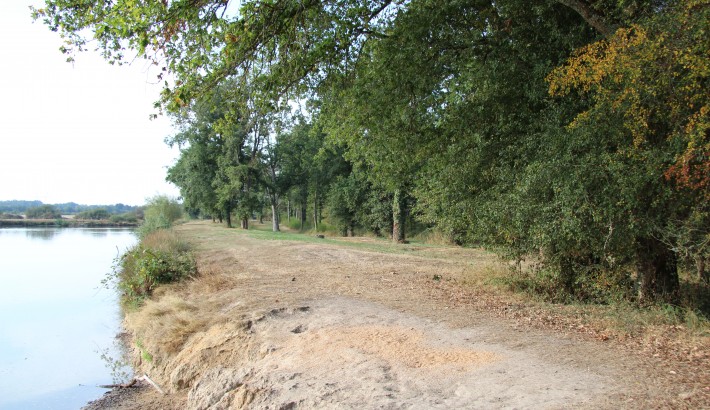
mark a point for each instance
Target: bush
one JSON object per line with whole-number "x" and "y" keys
{"x": 160, "y": 213}
{"x": 93, "y": 214}
{"x": 325, "y": 227}
{"x": 128, "y": 217}
{"x": 295, "y": 224}
{"x": 43, "y": 212}
{"x": 161, "y": 257}
{"x": 593, "y": 285}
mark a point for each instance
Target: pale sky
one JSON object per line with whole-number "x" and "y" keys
{"x": 75, "y": 132}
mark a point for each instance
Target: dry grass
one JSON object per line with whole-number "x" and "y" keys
{"x": 433, "y": 237}
{"x": 177, "y": 312}
{"x": 164, "y": 324}
{"x": 241, "y": 272}
{"x": 165, "y": 240}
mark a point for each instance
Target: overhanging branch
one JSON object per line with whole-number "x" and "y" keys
{"x": 591, "y": 16}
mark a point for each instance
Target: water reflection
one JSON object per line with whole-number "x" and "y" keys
{"x": 42, "y": 233}
{"x": 102, "y": 232}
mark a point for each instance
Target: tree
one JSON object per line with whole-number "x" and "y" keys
{"x": 195, "y": 172}
{"x": 271, "y": 160}
{"x": 164, "y": 208}
{"x": 218, "y": 168}
{"x": 289, "y": 40}
{"x": 446, "y": 107}
{"x": 95, "y": 214}
{"x": 648, "y": 83}
{"x": 43, "y": 212}
{"x": 308, "y": 166}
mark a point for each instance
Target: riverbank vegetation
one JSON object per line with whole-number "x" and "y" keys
{"x": 571, "y": 137}
{"x": 160, "y": 256}
{"x": 161, "y": 212}
{"x": 250, "y": 277}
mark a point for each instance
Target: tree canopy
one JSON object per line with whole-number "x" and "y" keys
{"x": 571, "y": 132}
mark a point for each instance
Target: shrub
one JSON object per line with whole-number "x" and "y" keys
{"x": 593, "y": 285}
{"x": 295, "y": 224}
{"x": 160, "y": 213}
{"x": 93, "y": 214}
{"x": 161, "y": 257}
{"x": 324, "y": 227}
{"x": 128, "y": 217}
{"x": 43, "y": 212}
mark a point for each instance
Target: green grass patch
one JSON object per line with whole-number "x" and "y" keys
{"x": 145, "y": 355}
{"x": 383, "y": 245}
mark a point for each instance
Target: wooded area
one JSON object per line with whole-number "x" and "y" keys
{"x": 570, "y": 132}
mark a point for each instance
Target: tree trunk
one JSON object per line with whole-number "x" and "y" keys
{"x": 657, "y": 269}
{"x": 350, "y": 230}
{"x": 701, "y": 268}
{"x": 567, "y": 274}
{"x": 245, "y": 223}
{"x": 303, "y": 214}
{"x": 288, "y": 211}
{"x": 315, "y": 211}
{"x": 275, "y": 215}
{"x": 229, "y": 219}
{"x": 398, "y": 217}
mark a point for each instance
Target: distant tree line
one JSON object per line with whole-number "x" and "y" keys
{"x": 18, "y": 207}
{"x": 68, "y": 208}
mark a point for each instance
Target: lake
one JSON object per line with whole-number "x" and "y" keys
{"x": 56, "y": 318}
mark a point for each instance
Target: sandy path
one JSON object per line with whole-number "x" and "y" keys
{"x": 281, "y": 325}
{"x": 346, "y": 353}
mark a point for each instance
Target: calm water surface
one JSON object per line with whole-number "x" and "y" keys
{"x": 56, "y": 319}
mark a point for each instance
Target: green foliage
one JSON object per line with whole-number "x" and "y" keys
{"x": 223, "y": 164}
{"x": 509, "y": 124}
{"x": 128, "y": 217}
{"x": 161, "y": 257}
{"x": 295, "y": 225}
{"x": 18, "y": 207}
{"x": 344, "y": 199}
{"x": 64, "y": 208}
{"x": 160, "y": 213}
{"x": 589, "y": 285}
{"x": 145, "y": 355}
{"x": 119, "y": 367}
{"x": 94, "y": 214}
{"x": 43, "y": 212}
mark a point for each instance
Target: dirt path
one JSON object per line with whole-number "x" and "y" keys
{"x": 331, "y": 324}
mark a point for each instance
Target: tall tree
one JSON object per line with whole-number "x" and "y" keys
{"x": 446, "y": 105}
{"x": 648, "y": 86}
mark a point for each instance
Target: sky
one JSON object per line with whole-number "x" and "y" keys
{"x": 75, "y": 132}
